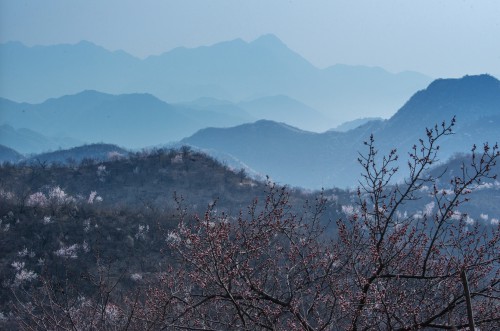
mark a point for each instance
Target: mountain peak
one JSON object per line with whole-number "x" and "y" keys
{"x": 86, "y": 43}
{"x": 468, "y": 86}
{"x": 475, "y": 82}
{"x": 467, "y": 98}
{"x": 268, "y": 40}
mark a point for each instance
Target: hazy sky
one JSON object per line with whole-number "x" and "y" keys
{"x": 441, "y": 38}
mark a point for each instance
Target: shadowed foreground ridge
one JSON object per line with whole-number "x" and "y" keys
{"x": 273, "y": 265}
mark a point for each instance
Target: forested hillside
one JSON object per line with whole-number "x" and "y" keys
{"x": 104, "y": 242}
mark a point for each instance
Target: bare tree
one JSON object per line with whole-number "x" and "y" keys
{"x": 404, "y": 271}
{"x": 387, "y": 267}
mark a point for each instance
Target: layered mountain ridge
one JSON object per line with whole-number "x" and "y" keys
{"x": 329, "y": 159}
{"x": 234, "y": 70}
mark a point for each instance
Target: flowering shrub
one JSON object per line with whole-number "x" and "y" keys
{"x": 271, "y": 267}
{"x": 102, "y": 172}
{"x": 142, "y": 230}
{"x": 59, "y": 197}
{"x": 68, "y": 252}
{"x": 22, "y": 275}
{"x": 47, "y": 220}
{"x": 37, "y": 199}
{"x": 93, "y": 197}
{"x": 136, "y": 277}
{"x": 7, "y": 195}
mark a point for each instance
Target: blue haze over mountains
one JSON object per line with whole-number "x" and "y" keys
{"x": 234, "y": 70}
{"x": 316, "y": 160}
{"x": 216, "y": 97}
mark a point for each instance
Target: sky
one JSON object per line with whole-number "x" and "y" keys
{"x": 439, "y": 38}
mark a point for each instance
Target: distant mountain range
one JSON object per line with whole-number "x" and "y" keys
{"x": 350, "y": 125}
{"x": 281, "y": 108}
{"x": 27, "y": 141}
{"x": 9, "y": 155}
{"x": 235, "y": 70}
{"x": 134, "y": 120}
{"x": 286, "y": 153}
{"x": 315, "y": 160}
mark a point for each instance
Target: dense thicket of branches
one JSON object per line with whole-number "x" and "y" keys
{"x": 271, "y": 268}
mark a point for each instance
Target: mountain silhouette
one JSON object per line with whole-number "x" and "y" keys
{"x": 27, "y": 141}
{"x": 136, "y": 120}
{"x": 301, "y": 158}
{"x": 281, "y": 108}
{"x": 131, "y": 120}
{"x": 9, "y": 155}
{"x": 349, "y": 125}
{"x": 234, "y": 70}
{"x": 94, "y": 152}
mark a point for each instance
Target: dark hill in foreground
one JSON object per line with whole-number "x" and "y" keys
{"x": 75, "y": 155}
{"x": 67, "y": 224}
{"x": 141, "y": 181}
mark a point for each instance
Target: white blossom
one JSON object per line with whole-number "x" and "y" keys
{"x": 469, "y": 220}
{"x": 114, "y": 155}
{"x": 18, "y": 265}
{"x": 173, "y": 238}
{"x": 85, "y": 246}
{"x": 456, "y": 215}
{"x": 443, "y": 192}
{"x": 177, "y": 159}
{"x": 348, "y": 210}
{"x": 141, "y": 232}
{"x": 23, "y": 252}
{"x": 6, "y": 195}
{"x": 485, "y": 186}
{"x": 59, "y": 197}
{"x": 102, "y": 172}
{"x": 91, "y": 198}
{"x": 37, "y": 199}
{"x": 67, "y": 251}
{"x": 424, "y": 188}
{"x": 136, "y": 277}
{"x": 113, "y": 312}
{"x": 46, "y": 220}
{"x": 428, "y": 208}
{"x": 333, "y": 197}
{"x": 24, "y": 276}
{"x": 86, "y": 225}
